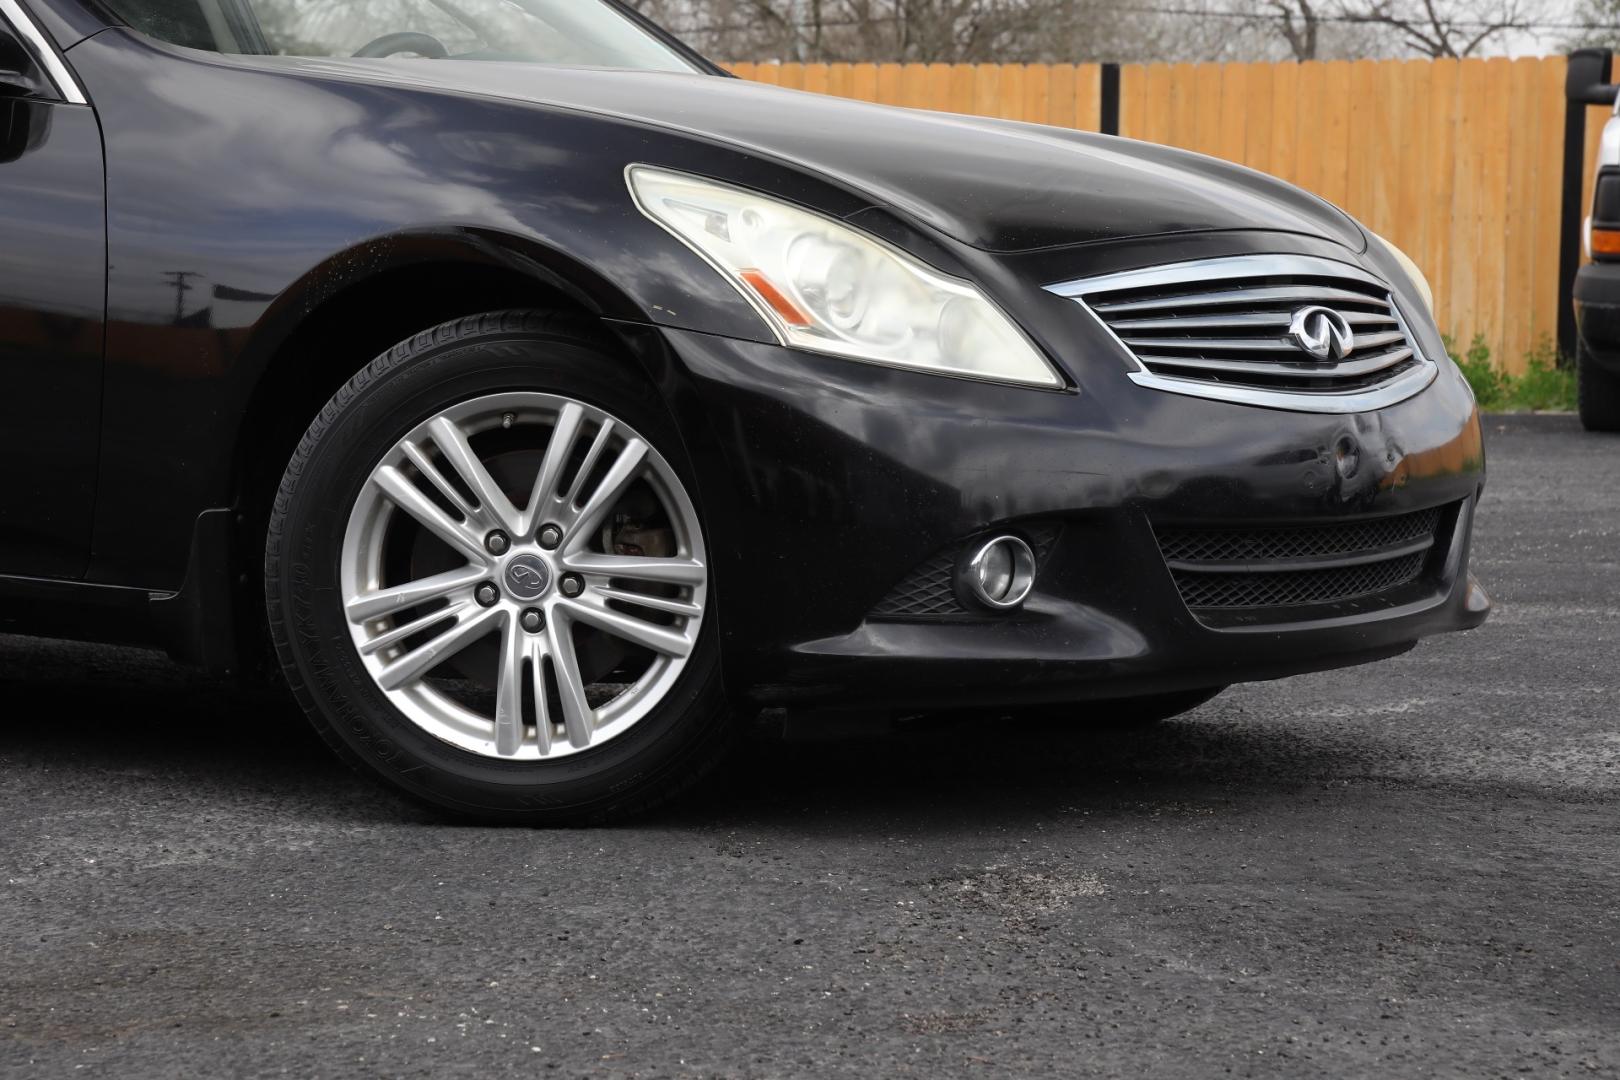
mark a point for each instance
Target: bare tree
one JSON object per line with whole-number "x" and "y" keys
{"x": 949, "y": 31}
{"x": 1077, "y": 30}
{"x": 1332, "y": 29}
{"x": 1454, "y": 28}
{"x": 1599, "y": 25}
{"x": 1300, "y": 25}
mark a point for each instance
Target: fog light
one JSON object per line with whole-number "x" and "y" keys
{"x": 999, "y": 573}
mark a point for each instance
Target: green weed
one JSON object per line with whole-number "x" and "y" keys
{"x": 1544, "y": 386}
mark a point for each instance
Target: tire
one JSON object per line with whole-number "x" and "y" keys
{"x": 1598, "y": 397}
{"x": 464, "y": 733}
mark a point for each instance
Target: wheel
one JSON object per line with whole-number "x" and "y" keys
{"x": 1598, "y": 393}
{"x": 486, "y": 578}
{"x": 1125, "y": 712}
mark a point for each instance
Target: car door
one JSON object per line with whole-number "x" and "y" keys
{"x": 53, "y": 268}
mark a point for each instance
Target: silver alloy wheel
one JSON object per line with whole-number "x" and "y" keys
{"x": 556, "y": 557}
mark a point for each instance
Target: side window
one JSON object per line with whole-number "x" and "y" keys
{"x": 181, "y": 22}
{"x": 222, "y": 26}
{"x": 20, "y": 74}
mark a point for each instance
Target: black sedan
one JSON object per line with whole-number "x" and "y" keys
{"x": 539, "y": 400}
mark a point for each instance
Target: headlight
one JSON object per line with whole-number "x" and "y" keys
{"x": 826, "y": 287}
{"x": 1419, "y": 282}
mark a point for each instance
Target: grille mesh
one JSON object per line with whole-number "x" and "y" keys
{"x": 1218, "y": 568}
{"x": 1265, "y": 545}
{"x": 1291, "y": 588}
{"x": 928, "y": 592}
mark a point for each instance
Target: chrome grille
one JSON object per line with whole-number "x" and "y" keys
{"x": 1222, "y": 328}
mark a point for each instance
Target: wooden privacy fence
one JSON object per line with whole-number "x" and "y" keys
{"x": 1459, "y": 162}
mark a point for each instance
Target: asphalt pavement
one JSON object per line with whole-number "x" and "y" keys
{"x": 1404, "y": 870}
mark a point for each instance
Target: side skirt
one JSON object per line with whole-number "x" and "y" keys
{"x": 196, "y": 625}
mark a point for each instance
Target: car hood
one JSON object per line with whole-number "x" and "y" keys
{"x": 993, "y": 184}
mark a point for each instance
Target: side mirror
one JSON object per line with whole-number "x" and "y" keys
{"x": 1586, "y": 80}
{"x": 24, "y": 126}
{"x": 20, "y": 76}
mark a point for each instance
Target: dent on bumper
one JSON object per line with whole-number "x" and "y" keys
{"x": 824, "y": 482}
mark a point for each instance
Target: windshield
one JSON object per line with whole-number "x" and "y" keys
{"x": 577, "y": 32}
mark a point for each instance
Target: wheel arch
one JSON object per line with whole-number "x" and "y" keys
{"x": 353, "y": 307}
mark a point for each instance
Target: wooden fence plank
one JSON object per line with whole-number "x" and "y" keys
{"x": 1466, "y": 201}
{"x": 1331, "y": 113}
{"x": 1232, "y": 131}
{"x": 1518, "y": 232}
{"x": 1411, "y": 169}
{"x": 1549, "y": 201}
{"x": 888, "y": 84}
{"x": 1155, "y": 125}
{"x": 1206, "y": 134}
{"x": 1493, "y": 103}
{"x": 1314, "y": 161}
{"x": 815, "y": 78}
{"x": 1441, "y": 149}
{"x": 1361, "y": 139}
{"x": 1183, "y": 95}
{"x": 1381, "y": 140}
{"x": 986, "y": 89}
{"x": 914, "y": 86}
{"x": 1037, "y": 95}
{"x": 863, "y": 82}
{"x": 1011, "y": 105}
{"x": 1257, "y": 140}
{"x": 963, "y": 77}
{"x": 940, "y": 78}
{"x": 1088, "y": 97}
{"x": 838, "y": 76}
{"x": 1061, "y": 96}
{"x": 1285, "y": 92}
{"x": 1132, "y": 100}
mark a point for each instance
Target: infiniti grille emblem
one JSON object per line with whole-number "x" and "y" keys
{"x": 527, "y": 577}
{"x": 1321, "y": 333}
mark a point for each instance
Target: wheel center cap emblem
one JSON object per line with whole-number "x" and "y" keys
{"x": 1321, "y": 333}
{"x": 527, "y": 577}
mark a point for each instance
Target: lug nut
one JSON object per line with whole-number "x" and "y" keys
{"x": 550, "y": 537}
{"x": 532, "y": 620}
{"x": 572, "y": 585}
{"x": 486, "y": 594}
{"x": 497, "y": 543}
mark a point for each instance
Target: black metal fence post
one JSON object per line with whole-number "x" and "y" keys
{"x": 1108, "y": 122}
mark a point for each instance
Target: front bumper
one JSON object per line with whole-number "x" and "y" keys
{"x": 1597, "y": 312}
{"x": 826, "y": 482}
